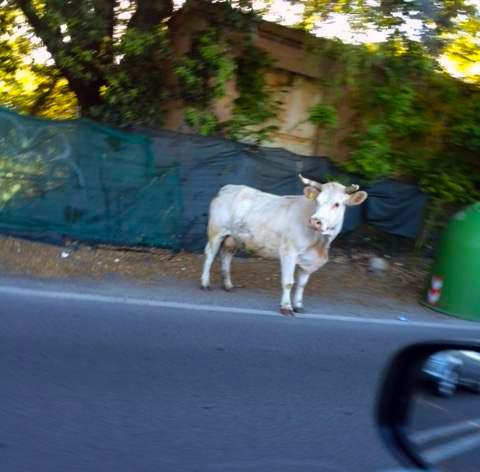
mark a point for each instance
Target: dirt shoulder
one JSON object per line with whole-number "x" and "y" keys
{"x": 342, "y": 277}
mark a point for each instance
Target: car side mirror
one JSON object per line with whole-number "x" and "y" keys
{"x": 428, "y": 408}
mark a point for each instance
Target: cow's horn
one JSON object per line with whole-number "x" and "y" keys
{"x": 351, "y": 188}
{"x": 312, "y": 183}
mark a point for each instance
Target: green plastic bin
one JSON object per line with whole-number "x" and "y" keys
{"x": 454, "y": 286}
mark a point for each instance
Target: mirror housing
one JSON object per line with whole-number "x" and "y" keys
{"x": 396, "y": 395}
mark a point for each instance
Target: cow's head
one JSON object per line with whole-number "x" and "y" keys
{"x": 331, "y": 199}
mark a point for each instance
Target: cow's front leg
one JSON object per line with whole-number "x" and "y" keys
{"x": 287, "y": 261}
{"x": 302, "y": 280}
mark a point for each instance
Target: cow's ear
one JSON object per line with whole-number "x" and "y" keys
{"x": 311, "y": 192}
{"x": 356, "y": 198}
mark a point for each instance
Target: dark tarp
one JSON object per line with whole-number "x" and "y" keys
{"x": 206, "y": 164}
{"x": 96, "y": 184}
{"x": 395, "y": 207}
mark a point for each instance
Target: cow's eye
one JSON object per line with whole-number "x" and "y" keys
{"x": 336, "y": 205}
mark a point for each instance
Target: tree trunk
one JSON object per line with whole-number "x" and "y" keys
{"x": 431, "y": 220}
{"x": 88, "y": 97}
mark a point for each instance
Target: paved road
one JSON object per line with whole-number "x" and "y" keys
{"x": 91, "y": 383}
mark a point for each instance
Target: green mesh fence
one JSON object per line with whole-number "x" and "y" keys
{"x": 85, "y": 181}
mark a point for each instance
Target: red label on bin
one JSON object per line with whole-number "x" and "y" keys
{"x": 435, "y": 291}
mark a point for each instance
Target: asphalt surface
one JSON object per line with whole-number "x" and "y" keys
{"x": 91, "y": 384}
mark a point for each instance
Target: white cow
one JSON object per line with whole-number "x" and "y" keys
{"x": 298, "y": 230}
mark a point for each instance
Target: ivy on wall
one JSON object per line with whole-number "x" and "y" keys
{"x": 214, "y": 60}
{"x": 254, "y": 110}
{"x": 203, "y": 75}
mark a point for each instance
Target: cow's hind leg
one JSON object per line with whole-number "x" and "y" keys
{"x": 211, "y": 250}
{"x": 226, "y": 256}
{"x": 288, "y": 262}
{"x": 302, "y": 280}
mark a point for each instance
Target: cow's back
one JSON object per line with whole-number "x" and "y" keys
{"x": 241, "y": 200}
{"x": 257, "y": 220}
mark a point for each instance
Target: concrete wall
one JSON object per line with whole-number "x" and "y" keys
{"x": 294, "y": 80}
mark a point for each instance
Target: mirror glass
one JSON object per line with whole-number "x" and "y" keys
{"x": 444, "y": 413}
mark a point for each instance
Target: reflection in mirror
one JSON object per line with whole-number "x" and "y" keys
{"x": 444, "y": 414}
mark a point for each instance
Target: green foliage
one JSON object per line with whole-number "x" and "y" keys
{"x": 204, "y": 72}
{"x": 112, "y": 62}
{"x": 466, "y": 135}
{"x": 324, "y": 116}
{"x": 411, "y": 120}
{"x": 136, "y": 42}
{"x": 398, "y": 104}
{"x": 129, "y": 97}
{"x": 203, "y": 75}
{"x": 203, "y": 121}
{"x": 108, "y": 58}
{"x": 372, "y": 155}
{"x": 30, "y": 88}
{"x": 448, "y": 183}
{"x": 254, "y": 108}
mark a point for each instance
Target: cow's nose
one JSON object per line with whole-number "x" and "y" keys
{"x": 316, "y": 223}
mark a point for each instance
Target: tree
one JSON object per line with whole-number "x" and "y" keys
{"x": 29, "y": 87}
{"x": 432, "y": 20}
{"x": 463, "y": 50}
{"x": 115, "y": 54}
{"x": 111, "y": 52}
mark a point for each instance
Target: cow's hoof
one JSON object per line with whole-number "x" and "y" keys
{"x": 299, "y": 309}
{"x": 286, "y": 311}
{"x": 228, "y": 288}
{"x": 206, "y": 287}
